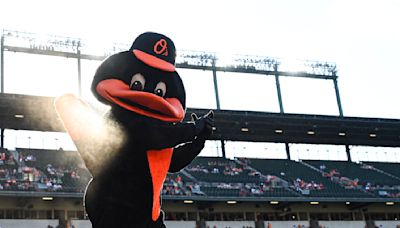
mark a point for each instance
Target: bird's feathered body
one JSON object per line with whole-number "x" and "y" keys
{"x": 140, "y": 139}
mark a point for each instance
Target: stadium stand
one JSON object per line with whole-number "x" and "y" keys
{"x": 364, "y": 173}
{"x": 39, "y": 170}
{"x": 304, "y": 179}
{"x": 43, "y": 170}
{"x": 223, "y": 177}
{"x": 220, "y": 169}
{"x": 364, "y": 176}
{"x": 388, "y": 168}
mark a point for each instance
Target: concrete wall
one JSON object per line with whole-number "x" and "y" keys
{"x": 180, "y": 224}
{"x": 31, "y": 223}
{"x": 287, "y": 224}
{"x": 38, "y": 223}
{"x": 341, "y": 224}
{"x": 81, "y": 223}
{"x": 387, "y": 224}
{"x": 230, "y": 224}
{"x": 169, "y": 224}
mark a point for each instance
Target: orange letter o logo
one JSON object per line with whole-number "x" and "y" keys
{"x": 161, "y": 47}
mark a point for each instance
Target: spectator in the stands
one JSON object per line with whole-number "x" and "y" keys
{"x": 300, "y": 184}
{"x": 254, "y": 173}
{"x": 215, "y": 170}
{"x": 50, "y": 169}
{"x": 196, "y": 189}
{"x": 2, "y": 158}
{"x": 243, "y": 192}
{"x": 256, "y": 191}
{"x": 74, "y": 174}
{"x": 178, "y": 180}
{"x": 10, "y": 160}
{"x": 368, "y": 187}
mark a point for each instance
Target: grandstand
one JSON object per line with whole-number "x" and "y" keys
{"x": 42, "y": 186}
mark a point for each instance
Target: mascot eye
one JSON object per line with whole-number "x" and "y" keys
{"x": 160, "y": 89}
{"x": 137, "y": 82}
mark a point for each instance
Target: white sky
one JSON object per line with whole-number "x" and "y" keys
{"x": 361, "y": 36}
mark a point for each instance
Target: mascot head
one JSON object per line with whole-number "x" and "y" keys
{"x": 143, "y": 80}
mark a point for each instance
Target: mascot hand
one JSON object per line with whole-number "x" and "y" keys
{"x": 204, "y": 125}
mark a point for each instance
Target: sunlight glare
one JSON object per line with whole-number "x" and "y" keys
{"x": 292, "y": 65}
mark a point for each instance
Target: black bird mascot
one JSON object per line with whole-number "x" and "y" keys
{"x": 131, "y": 149}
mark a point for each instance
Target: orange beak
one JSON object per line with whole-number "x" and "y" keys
{"x": 143, "y": 103}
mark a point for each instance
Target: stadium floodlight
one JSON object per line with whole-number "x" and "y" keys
{"x": 20, "y": 116}
{"x": 347, "y": 203}
{"x": 195, "y": 58}
{"x": 274, "y": 202}
{"x": 188, "y": 201}
{"x": 314, "y": 203}
{"x": 248, "y": 62}
{"x": 309, "y": 67}
{"x": 40, "y": 42}
{"x": 98, "y": 50}
{"x": 320, "y": 68}
{"x": 342, "y": 133}
{"x": 59, "y": 44}
{"x": 278, "y": 131}
{"x": 231, "y": 202}
{"x": 390, "y": 203}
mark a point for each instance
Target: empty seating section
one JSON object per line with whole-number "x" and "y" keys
{"x": 58, "y": 170}
{"x": 220, "y": 192}
{"x": 362, "y": 172}
{"x": 304, "y": 179}
{"x": 279, "y": 192}
{"x": 391, "y": 168}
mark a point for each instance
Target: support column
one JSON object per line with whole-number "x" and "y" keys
{"x": 348, "y": 153}
{"x": 79, "y": 70}
{"x": 2, "y": 64}
{"x": 214, "y": 70}
{"x": 278, "y": 88}
{"x": 223, "y": 148}
{"x": 339, "y": 103}
{"x": 2, "y": 138}
{"x": 287, "y": 151}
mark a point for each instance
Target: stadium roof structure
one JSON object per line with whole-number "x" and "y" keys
{"x": 24, "y": 112}
{"x": 37, "y": 113}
